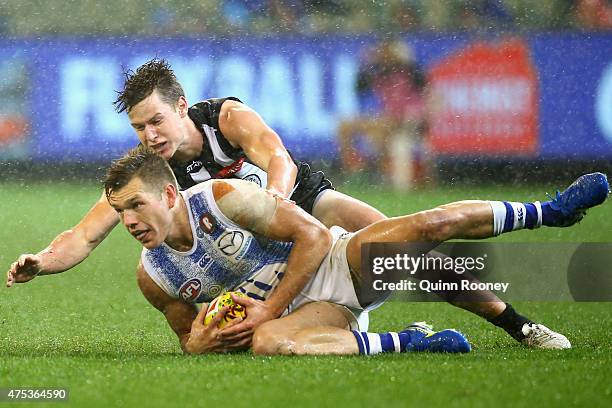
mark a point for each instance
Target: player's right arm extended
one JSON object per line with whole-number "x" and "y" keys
{"x": 67, "y": 249}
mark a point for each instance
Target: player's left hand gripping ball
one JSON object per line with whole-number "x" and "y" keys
{"x": 225, "y": 300}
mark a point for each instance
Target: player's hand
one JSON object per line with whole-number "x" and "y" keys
{"x": 257, "y": 312}
{"x": 206, "y": 339}
{"x": 24, "y": 269}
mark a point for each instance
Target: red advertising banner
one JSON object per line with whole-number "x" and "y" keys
{"x": 485, "y": 101}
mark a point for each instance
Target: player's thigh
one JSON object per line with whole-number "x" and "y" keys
{"x": 334, "y": 208}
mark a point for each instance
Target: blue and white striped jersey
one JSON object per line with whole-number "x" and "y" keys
{"x": 224, "y": 256}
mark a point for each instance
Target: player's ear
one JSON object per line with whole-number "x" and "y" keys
{"x": 181, "y": 106}
{"x": 171, "y": 194}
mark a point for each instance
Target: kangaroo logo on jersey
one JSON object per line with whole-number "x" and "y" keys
{"x": 231, "y": 242}
{"x": 208, "y": 223}
{"x": 190, "y": 290}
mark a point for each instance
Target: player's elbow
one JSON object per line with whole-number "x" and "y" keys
{"x": 291, "y": 166}
{"x": 77, "y": 237}
{"x": 320, "y": 238}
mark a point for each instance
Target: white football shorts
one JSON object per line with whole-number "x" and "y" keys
{"x": 333, "y": 283}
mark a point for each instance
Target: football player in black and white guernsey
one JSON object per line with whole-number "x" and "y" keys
{"x": 304, "y": 282}
{"x": 216, "y": 138}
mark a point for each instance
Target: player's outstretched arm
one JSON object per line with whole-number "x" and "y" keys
{"x": 278, "y": 219}
{"x": 243, "y": 127}
{"x": 194, "y": 336}
{"x": 67, "y": 249}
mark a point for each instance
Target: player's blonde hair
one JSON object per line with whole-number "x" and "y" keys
{"x": 141, "y": 162}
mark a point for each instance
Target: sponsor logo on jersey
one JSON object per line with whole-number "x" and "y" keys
{"x": 231, "y": 242}
{"x": 214, "y": 290}
{"x": 190, "y": 290}
{"x": 194, "y": 166}
{"x": 208, "y": 223}
{"x": 205, "y": 261}
{"x": 230, "y": 170}
{"x": 253, "y": 178}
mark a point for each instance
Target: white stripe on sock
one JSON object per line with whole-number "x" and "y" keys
{"x": 520, "y": 213}
{"x": 396, "y": 341}
{"x": 375, "y": 346}
{"x": 538, "y": 206}
{"x": 499, "y": 216}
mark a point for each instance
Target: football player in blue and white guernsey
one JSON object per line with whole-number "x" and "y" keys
{"x": 224, "y": 235}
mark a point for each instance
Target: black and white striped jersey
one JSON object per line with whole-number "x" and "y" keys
{"x": 219, "y": 159}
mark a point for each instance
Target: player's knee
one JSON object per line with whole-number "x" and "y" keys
{"x": 269, "y": 340}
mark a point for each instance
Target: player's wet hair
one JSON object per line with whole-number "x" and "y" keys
{"x": 154, "y": 75}
{"x": 141, "y": 162}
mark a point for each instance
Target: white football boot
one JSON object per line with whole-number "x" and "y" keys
{"x": 540, "y": 336}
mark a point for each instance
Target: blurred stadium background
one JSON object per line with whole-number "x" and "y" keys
{"x": 513, "y": 84}
{"x": 506, "y": 97}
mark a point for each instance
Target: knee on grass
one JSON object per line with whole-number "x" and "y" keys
{"x": 269, "y": 339}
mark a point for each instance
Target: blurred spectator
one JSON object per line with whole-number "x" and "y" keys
{"x": 177, "y": 17}
{"x": 241, "y": 13}
{"x": 163, "y": 21}
{"x": 405, "y": 17}
{"x": 476, "y": 15}
{"x": 387, "y": 137}
{"x": 594, "y": 14}
{"x": 289, "y": 14}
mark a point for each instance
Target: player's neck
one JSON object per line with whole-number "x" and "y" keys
{"x": 191, "y": 147}
{"x": 180, "y": 236}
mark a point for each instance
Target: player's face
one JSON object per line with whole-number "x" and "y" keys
{"x": 159, "y": 125}
{"x": 145, "y": 214}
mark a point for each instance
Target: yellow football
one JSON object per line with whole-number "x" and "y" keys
{"x": 225, "y": 300}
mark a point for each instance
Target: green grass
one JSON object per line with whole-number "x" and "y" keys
{"x": 90, "y": 330}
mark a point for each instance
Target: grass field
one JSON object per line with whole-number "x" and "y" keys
{"x": 90, "y": 330}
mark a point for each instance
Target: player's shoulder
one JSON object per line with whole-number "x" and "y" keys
{"x": 198, "y": 189}
{"x": 212, "y": 111}
{"x": 215, "y": 104}
{"x": 222, "y": 187}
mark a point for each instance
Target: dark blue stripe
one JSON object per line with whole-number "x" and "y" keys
{"x": 255, "y": 296}
{"x": 509, "y": 223}
{"x": 386, "y": 342}
{"x": 367, "y": 342}
{"x": 262, "y": 285}
{"x": 359, "y": 341}
{"x": 532, "y": 215}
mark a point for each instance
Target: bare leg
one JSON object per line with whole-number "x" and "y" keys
{"x": 463, "y": 219}
{"x": 314, "y": 329}
{"x": 335, "y": 208}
